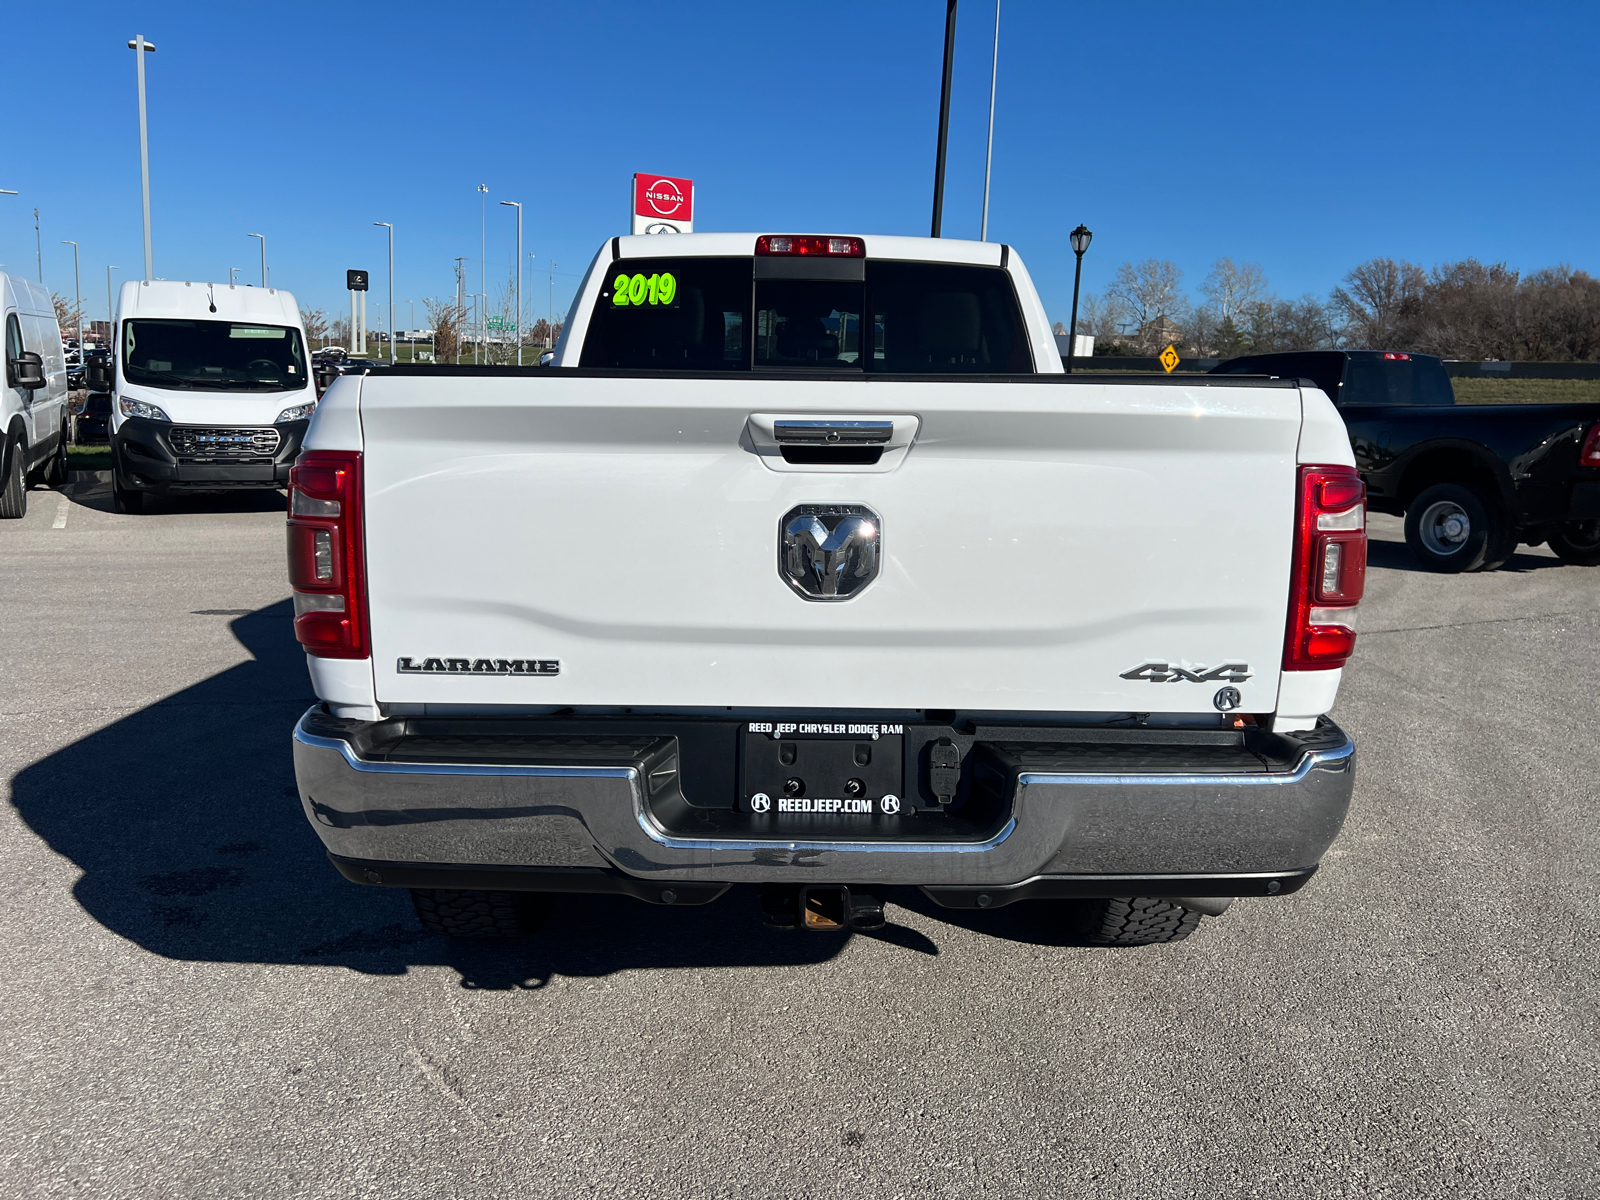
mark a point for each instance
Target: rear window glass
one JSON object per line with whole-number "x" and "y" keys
{"x": 1419, "y": 381}
{"x": 704, "y": 314}
{"x": 683, "y": 314}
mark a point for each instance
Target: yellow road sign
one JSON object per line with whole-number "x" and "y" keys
{"x": 1169, "y": 359}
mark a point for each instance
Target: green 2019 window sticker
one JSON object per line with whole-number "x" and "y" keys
{"x": 643, "y": 289}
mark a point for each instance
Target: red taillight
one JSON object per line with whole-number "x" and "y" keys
{"x": 1397, "y": 357}
{"x": 1329, "y": 572}
{"x": 793, "y": 243}
{"x": 1589, "y": 456}
{"x": 326, "y": 554}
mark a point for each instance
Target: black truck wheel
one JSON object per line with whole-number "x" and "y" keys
{"x": 14, "y": 489}
{"x": 55, "y": 472}
{"x": 472, "y": 914}
{"x": 1578, "y": 542}
{"x": 1137, "y": 921}
{"x": 125, "y": 500}
{"x": 1451, "y": 527}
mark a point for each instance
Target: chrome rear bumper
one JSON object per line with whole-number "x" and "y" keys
{"x": 1061, "y": 832}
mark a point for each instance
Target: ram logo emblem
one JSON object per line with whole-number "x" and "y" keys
{"x": 829, "y": 551}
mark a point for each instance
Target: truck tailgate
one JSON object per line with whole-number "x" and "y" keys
{"x": 1041, "y": 541}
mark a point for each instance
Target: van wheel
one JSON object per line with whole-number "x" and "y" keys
{"x": 1578, "y": 542}
{"x": 1452, "y": 528}
{"x": 55, "y": 472}
{"x": 125, "y": 500}
{"x": 14, "y": 491}
{"x": 1137, "y": 921}
{"x": 472, "y": 914}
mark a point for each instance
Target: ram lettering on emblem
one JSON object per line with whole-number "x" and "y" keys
{"x": 479, "y": 666}
{"x": 1160, "y": 672}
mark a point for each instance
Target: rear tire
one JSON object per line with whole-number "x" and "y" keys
{"x": 1578, "y": 542}
{"x": 125, "y": 500}
{"x": 1137, "y": 921}
{"x": 1451, "y": 528}
{"x": 55, "y": 472}
{"x": 14, "y": 490}
{"x": 473, "y": 914}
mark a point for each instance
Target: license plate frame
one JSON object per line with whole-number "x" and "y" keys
{"x": 854, "y": 770}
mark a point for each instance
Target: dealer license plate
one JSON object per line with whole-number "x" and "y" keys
{"x": 833, "y": 768}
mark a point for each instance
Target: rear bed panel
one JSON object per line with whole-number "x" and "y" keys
{"x": 1039, "y": 541}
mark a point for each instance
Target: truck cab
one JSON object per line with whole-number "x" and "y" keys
{"x": 212, "y": 389}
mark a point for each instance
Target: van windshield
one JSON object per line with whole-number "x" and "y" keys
{"x": 213, "y": 356}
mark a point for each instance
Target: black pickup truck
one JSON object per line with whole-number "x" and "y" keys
{"x": 1473, "y": 481}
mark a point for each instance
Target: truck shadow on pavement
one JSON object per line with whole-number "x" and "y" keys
{"x": 185, "y": 821}
{"x": 1397, "y": 556}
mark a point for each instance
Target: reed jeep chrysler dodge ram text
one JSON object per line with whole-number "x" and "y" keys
{"x": 804, "y": 566}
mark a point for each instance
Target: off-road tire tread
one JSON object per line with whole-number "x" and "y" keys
{"x": 1139, "y": 921}
{"x": 471, "y": 914}
{"x": 14, "y": 488}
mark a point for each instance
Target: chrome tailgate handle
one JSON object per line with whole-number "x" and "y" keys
{"x": 832, "y": 432}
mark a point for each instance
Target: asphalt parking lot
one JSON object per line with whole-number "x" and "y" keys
{"x": 197, "y": 1005}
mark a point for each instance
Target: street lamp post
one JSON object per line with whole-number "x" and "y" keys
{"x": 390, "y": 228}
{"x": 1081, "y": 237}
{"x": 988, "y": 156}
{"x": 233, "y": 274}
{"x": 111, "y": 309}
{"x": 944, "y": 113}
{"x": 483, "y": 263}
{"x": 77, "y": 298}
{"x": 517, "y": 205}
{"x": 140, "y": 48}
{"x": 263, "y": 238}
{"x": 552, "y": 334}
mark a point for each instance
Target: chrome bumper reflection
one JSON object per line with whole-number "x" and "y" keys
{"x": 526, "y": 814}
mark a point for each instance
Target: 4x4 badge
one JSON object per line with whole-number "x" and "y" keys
{"x": 1160, "y": 672}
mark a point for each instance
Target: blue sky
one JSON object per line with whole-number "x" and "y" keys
{"x": 1305, "y": 137}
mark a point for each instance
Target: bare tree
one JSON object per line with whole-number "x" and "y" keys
{"x": 1380, "y": 302}
{"x": 1099, "y": 317}
{"x": 1146, "y": 292}
{"x": 1231, "y": 287}
{"x": 316, "y": 324}
{"x": 67, "y": 314}
{"x": 445, "y": 316}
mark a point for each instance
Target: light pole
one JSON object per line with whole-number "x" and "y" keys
{"x": 111, "y": 310}
{"x": 944, "y": 113}
{"x": 1081, "y": 237}
{"x": 232, "y": 272}
{"x": 38, "y": 244}
{"x": 516, "y": 205}
{"x": 140, "y": 48}
{"x": 988, "y": 157}
{"x": 390, "y": 228}
{"x": 77, "y": 298}
{"x": 412, "y": 322}
{"x": 483, "y": 264}
{"x": 263, "y": 238}
{"x": 552, "y": 302}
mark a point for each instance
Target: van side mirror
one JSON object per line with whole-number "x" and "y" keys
{"x": 27, "y": 371}
{"x": 99, "y": 375}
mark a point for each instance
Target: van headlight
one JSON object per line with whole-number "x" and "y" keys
{"x": 298, "y": 413}
{"x": 142, "y": 408}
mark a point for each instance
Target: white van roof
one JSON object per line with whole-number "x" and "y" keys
{"x": 234, "y": 302}
{"x": 26, "y": 296}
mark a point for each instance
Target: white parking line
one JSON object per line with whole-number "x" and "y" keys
{"x": 62, "y": 510}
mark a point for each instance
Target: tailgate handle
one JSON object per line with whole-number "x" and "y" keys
{"x": 832, "y": 433}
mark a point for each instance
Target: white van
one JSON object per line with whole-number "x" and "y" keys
{"x": 35, "y": 405}
{"x": 211, "y": 389}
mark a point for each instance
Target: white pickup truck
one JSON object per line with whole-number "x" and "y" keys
{"x": 805, "y": 567}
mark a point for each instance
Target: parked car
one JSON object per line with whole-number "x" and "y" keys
{"x": 91, "y": 424}
{"x": 749, "y": 588}
{"x": 1473, "y": 481}
{"x": 33, "y": 412}
{"x": 211, "y": 389}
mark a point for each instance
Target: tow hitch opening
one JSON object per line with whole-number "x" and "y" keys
{"x": 831, "y": 908}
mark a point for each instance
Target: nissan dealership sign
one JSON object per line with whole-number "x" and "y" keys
{"x": 662, "y": 204}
